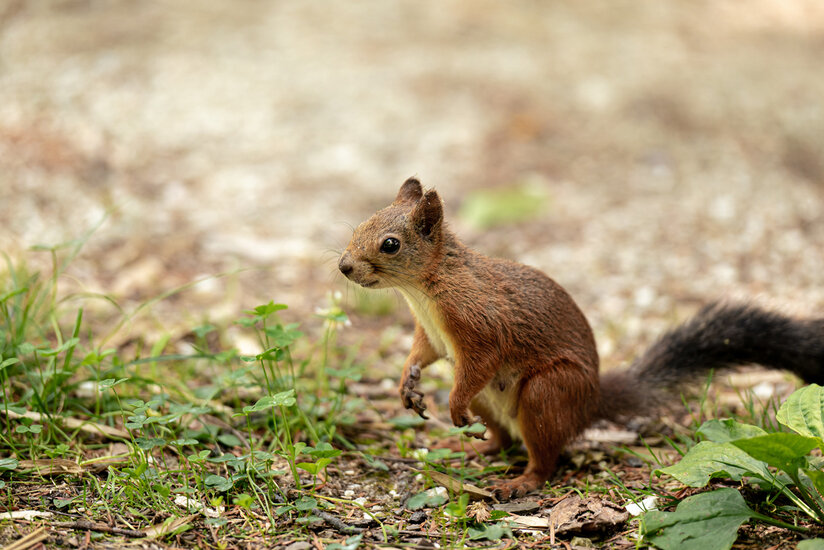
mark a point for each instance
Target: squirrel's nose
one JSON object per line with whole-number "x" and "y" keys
{"x": 345, "y": 265}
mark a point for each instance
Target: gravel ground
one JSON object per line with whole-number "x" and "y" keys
{"x": 681, "y": 143}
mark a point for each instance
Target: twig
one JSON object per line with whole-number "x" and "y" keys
{"x": 36, "y": 536}
{"x": 84, "y": 525}
{"x": 422, "y": 534}
{"x": 337, "y": 523}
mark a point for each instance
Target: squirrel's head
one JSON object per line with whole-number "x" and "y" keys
{"x": 396, "y": 245}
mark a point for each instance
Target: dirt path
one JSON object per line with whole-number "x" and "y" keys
{"x": 682, "y": 146}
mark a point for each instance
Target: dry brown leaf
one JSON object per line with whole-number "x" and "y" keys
{"x": 577, "y": 515}
{"x": 102, "y": 463}
{"x": 528, "y": 522}
{"x": 456, "y": 486}
{"x": 86, "y": 426}
{"x": 50, "y": 466}
{"x": 27, "y": 515}
{"x": 164, "y": 528}
{"x": 29, "y": 541}
{"x": 523, "y": 507}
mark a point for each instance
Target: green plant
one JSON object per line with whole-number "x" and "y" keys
{"x": 174, "y": 412}
{"x": 778, "y": 462}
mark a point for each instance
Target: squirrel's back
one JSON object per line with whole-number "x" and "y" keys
{"x": 517, "y": 305}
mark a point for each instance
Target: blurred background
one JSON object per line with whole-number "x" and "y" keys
{"x": 649, "y": 156}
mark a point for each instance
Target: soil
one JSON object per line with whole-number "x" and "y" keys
{"x": 682, "y": 146}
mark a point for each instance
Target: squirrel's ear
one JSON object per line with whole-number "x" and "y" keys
{"x": 427, "y": 215}
{"x": 410, "y": 191}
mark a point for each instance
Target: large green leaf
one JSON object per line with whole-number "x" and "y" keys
{"x": 708, "y": 521}
{"x": 781, "y": 450}
{"x": 817, "y": 479}
{"x": 803, "y": 411}
{"x": 709, "y": 459}
{"x": 722, "y": 431}
{"x": 811, "y": 544}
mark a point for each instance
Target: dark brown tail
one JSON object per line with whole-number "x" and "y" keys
{"x": 720, "y": 335}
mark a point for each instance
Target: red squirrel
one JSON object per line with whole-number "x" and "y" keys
{"x": 524, "y": 356}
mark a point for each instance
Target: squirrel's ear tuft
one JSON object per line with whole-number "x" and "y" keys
{"x": 410, "y": 191}
{"x": 428, "y": 214}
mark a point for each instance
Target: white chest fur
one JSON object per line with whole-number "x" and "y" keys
{"x": 426, "y": 312}
{"x": 501, "y": 403}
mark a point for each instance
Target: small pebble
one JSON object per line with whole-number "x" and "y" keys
{"x": 438, "y": 491}
{"x": 634, "y": 462}
{"x": 417, "y": 517}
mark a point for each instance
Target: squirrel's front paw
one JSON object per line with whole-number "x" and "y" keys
{"x": 410, "y": 397}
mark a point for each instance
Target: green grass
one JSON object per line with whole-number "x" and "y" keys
{"x": 213, "y": 426}
{"x": 214, "y": 448}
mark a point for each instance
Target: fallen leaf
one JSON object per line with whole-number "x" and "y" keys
{"x": 190, "y": 504}
{"x": 102, "y": 463}
{"x": 31, "y": 540}
{"x": 92, "y": 428}
{"x": 457, "y": 486}
{"x": 50, "y": 466}
{"x": 162, "y": 529}
{"x": 593, "y": 515}
{"x": 518, "y": 507}
{"x": 528, "y": 522}
{"x": 27, "y": 515}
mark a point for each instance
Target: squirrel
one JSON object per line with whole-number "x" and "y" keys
{"x": 523, "y": 354}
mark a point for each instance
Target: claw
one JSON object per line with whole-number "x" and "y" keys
{"x": 418, "y": 405}
{"x": 410, "y": 397}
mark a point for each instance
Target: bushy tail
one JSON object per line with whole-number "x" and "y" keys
{"x": 720, "y": 335}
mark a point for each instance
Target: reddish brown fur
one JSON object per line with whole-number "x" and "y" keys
{"x": 524, "y": 355}
{"x": 498, "y": 314}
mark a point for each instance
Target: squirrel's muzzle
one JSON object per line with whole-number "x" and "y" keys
{"x": 345, "y": 264}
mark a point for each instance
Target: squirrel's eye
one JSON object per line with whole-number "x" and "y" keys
{"x": 390, "y": 245}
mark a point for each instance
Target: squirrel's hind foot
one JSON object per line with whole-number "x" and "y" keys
{"x": 516, "y": 488}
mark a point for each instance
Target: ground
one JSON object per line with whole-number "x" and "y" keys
{"x": 678, "y": 150}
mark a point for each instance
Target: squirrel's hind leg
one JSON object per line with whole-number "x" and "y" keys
{"x": 550, "y": 414}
